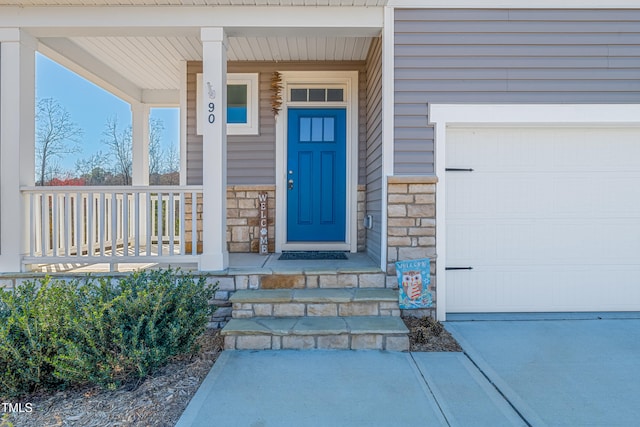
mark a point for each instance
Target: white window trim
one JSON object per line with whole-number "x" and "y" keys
{"x": 252, "y": 127}
{"x": 348, "y": 80}
{"x": 446, "y": 116}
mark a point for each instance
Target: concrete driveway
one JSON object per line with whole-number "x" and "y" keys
{"x": 569, "y": 370}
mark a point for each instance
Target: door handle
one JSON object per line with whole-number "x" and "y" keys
{"x": 290, "y": 184}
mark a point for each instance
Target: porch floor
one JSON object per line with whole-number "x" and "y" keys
{"x": 238, "y": 263}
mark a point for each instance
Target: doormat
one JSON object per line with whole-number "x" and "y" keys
{"x": 311, "y": 255}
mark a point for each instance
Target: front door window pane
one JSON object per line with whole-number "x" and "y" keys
{"x": 316, "y": 129}
{"x": 329, "y": 129}
{"x": 305, "y": 129}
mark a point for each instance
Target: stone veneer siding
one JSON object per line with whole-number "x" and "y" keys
{"x": 411, "y": 227}
{"x": 243, "y": 222}
{"x": 243, "y": 226}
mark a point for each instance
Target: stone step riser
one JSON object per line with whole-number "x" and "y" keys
{"x": 312, "y": 309}
{"x": 310, "y": 280}
{"x": 394, "y": 342}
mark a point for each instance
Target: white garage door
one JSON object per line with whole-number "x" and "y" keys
{"x": 549, "y": 219}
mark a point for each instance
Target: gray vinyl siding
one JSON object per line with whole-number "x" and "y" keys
{"x": 251, "y": 158}
{"x": 373, "y": 152}
{"x": 506, "y": 56}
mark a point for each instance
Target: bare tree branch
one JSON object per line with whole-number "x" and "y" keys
{"x": 92, "y": 169}
{"x": 120, "y": 148}
{"x": 56, "y": 135}
{"x": 156, "y": 126}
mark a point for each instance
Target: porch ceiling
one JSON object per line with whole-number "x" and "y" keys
{"x": 147, "y": 68}
{"x": 136, "y": 52}
{"x": 193, "y": 2}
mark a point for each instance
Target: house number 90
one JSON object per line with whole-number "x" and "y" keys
{"x": 212, "y": 117}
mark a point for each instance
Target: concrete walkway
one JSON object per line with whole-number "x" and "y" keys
{"x": 576, "y": 370}
{"x": 346, "y": 388}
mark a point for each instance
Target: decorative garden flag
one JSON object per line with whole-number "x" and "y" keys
{"x": 413, "y": 280}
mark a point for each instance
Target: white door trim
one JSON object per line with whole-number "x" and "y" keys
{"x": 445, "y": 116}
{"x": 350, "y": 80}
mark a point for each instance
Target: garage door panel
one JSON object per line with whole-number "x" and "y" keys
{"x": 549, "y": 219}
{"x": 502, "y": 290}
{"x": 473, "y": 194}
{"x": 619, "y": 196}
{"x": 590, "y": 150}
{"x": 484, "y": 242}
{"x": 560, "y": 288}
{"x": 533, "y": 149}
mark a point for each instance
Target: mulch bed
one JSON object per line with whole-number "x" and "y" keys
{"x": 160, "y": 400}
{"x": 426, "y": 334}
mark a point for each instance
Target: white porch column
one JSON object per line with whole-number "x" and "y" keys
{"x": 17, "y": 142}
{"x": 214, "y": 149}
{"x": 140, "y": 141}
{"x": 140, "y": 159}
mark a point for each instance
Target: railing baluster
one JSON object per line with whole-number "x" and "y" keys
{"x": 114, "y": 224}
{"x": 95, "y": 224}
{"x": 120, "y": 217}
{"x": 136, "y": 223}
{"x": 182, "y": 203}
{"x": 32, "y": 225}
{"x": 170, "y": 222}
{"x": 90, "y": 236}
{"x": 149, "y": 223}
{"x": 152, "y": 214}
{"x": 67, "y": 223}
{"x": 101, "y": 223}
{"x": 78, "y": 224}
{"x": 125, "y": 223}
{"x": 160, "y": 227}
{"x": 45, "y": 224}
{"x": 54, "y": 224}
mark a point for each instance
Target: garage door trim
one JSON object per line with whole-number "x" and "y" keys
{"x": 446, "y": 116}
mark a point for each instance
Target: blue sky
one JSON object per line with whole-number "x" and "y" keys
{"x": 90, "y": 106}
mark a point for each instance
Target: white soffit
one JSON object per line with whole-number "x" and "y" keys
{"x": 154, "y": 62}
{"x": 192, "y": 2}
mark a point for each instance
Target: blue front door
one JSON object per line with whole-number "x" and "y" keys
{"x": 316, "y": 175}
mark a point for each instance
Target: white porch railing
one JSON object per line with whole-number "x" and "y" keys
{"x": 111, "y": 224}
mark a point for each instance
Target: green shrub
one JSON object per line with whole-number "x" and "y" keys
{"x": 30, "y": 332}
{"x": 101, "y": 331}
{"x": 127, "y": 330}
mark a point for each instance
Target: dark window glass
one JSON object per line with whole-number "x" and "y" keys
{"x": 299, "y": 95}
{"x": 236, "y": 103}
{"x": 317, "y": 95}
{"x": 335, "y": 95}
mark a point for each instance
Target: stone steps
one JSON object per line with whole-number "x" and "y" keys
{"x": 315, "y": 302}
{"x": 326, "y": 332}
{"x": 316, "y": 318}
